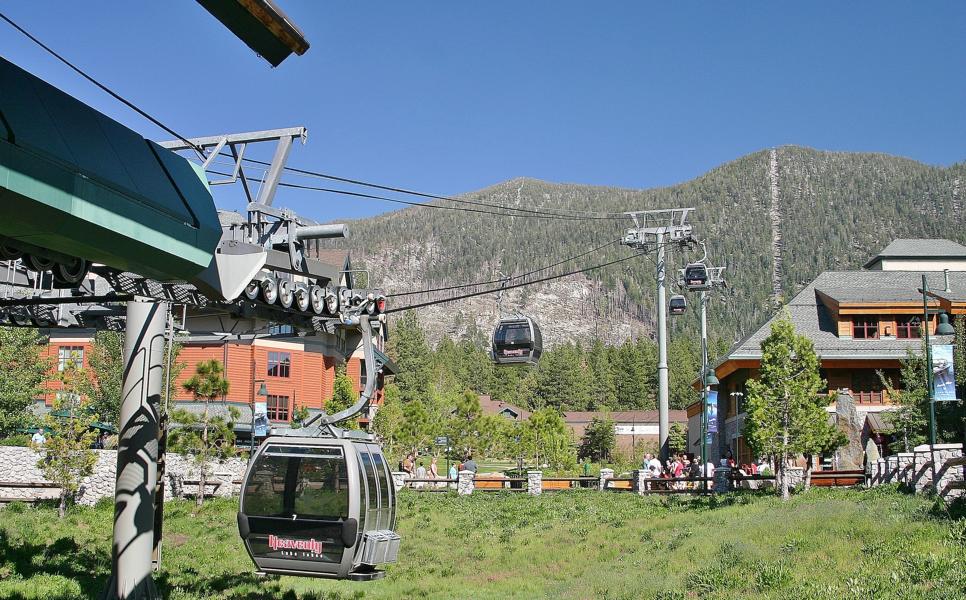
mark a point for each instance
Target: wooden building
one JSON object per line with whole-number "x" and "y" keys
{"x": 861, "y": 323}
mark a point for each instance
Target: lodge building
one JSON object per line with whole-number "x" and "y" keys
{"x": 861, "y": 323}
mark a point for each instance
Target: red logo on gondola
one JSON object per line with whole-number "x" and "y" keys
{"x": 312, "y": 545}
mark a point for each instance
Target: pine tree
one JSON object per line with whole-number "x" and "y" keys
{"x": 217, "y": 437}
{"x": 786, "y": 413}
{"x": 599, "y": 440}
{"x": 343, "y": 396}
{"x": 66, "y": 456}
{"x": 388, "y": 421}
{"x": 408, "y": 347}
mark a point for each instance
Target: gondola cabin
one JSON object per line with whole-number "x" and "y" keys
{"x": 319, "y": 507}
{"x": 677, "y": 305}
{"x": 696, "y": 277}
{"x": 517, "y": 341}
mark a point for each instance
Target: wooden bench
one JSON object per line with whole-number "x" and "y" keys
{"x": 32, "y": 485}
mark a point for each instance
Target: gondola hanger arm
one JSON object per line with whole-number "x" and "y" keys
{"x": 365, "y": 397}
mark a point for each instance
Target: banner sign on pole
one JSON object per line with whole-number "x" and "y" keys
{"x": 712, "y": 409}
{"x": 261, "y": 419}
{"x": 943, "y": 375}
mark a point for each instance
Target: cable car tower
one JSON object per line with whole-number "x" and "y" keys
{"x": 702, "y": 277}
{"x": 655, "y": 230}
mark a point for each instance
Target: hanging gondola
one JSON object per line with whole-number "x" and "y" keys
{"x": 320, "y": 501}
{"x": 677, "y": 305}
{"x": 517, "y": 340}
{"x": 696, "y": 277}
{"x": 319, "y": 508}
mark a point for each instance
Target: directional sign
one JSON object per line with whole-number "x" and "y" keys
{"x": 442, "y": 440}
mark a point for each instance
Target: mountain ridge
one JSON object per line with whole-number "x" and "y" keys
{"x": 837, "y": 210}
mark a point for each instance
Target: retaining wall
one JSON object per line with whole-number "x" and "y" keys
{"x": 19, "y": 464}
{"x": 915, "y": 471}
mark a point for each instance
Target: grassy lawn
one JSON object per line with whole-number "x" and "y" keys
{"x": 827, "y": 544}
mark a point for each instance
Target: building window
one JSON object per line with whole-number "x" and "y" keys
{"x": 281, "y": 330}
{"x": 907, "y": 328}
{"x": 279, "y": 364}
{"x": 70, "y": 357}
{"x": 277, "y": 408}
{"x": 865, "y": 328}
{"x": 363, "y": 377}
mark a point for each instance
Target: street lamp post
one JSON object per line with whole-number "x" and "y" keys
{"x": 263, "y": 392}
{"x": 930, "y": 382}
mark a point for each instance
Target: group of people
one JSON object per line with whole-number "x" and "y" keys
{"x": 687, "y": 466}
{"x": 415, "y": 468}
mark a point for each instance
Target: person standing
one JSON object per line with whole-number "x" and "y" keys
{"x": 38, "y": 438}
{"x": 420, "y": 474}
{"x": 453, "y": 474}
{"x": 433, "y": 471}
{"x": 469, "y": 464}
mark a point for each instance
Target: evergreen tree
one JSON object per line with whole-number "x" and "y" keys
{"x": 603, "y": 387}
{"x": 462, "y": 427}
{"x": 786, "y": 413}
{"x": 546, "y": 437}
{"x": 23, "y": 371}
{"x": 408, "y": 347}
{"x": 217, "y": 437}
{"x": 66, "y": 456}
{"x": 343, "y": 396}
{"x": 631, "y": 378}
{"x": 599, "y": 440}
{"x": 389, "y": 419}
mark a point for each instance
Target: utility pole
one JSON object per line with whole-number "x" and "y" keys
{"x": 655, "y": 230}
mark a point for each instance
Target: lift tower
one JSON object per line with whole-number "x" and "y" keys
{"x": 655, "y": 230}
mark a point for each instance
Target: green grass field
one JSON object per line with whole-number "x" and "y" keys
{"x": 827, "y": 544}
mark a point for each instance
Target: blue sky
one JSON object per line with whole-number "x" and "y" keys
{"x": 448, "y": 97}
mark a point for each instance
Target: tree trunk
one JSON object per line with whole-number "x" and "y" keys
{"x": 202, "y": 484}
{"x": 783, "y": 457}
{"x": 808, "y": 472}
{"x": 62, "y": 507}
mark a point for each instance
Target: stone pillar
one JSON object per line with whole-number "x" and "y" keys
{"x": 605, "y": 474}
{"x": 796, "y": 476}
{"x": 892, "y": 466}
{"x": 722, "y": 479}
{"x": 465, "y": 485}
{"x": 399, "y": 479}
{"x": 950, "y": 478}
{"x": 922, "y": 468}
{"x": 534, "y": 483}
{"x": 904, "y": 467}
{"x": 640, "y": 480}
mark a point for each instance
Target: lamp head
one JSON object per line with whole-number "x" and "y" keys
{"x": 262, "y": 390}
{"x": 944, "y": 327}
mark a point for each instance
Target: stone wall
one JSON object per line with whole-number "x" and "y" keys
{"x": 914, "y": 470}
{"x": 19, "y": 464}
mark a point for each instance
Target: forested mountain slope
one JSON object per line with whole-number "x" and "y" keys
{"x": 802, "y": 209}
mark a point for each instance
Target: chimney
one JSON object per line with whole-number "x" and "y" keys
{"x": 946, "y": 279}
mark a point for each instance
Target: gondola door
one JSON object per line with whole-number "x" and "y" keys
{"x": 300, "y": 508}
